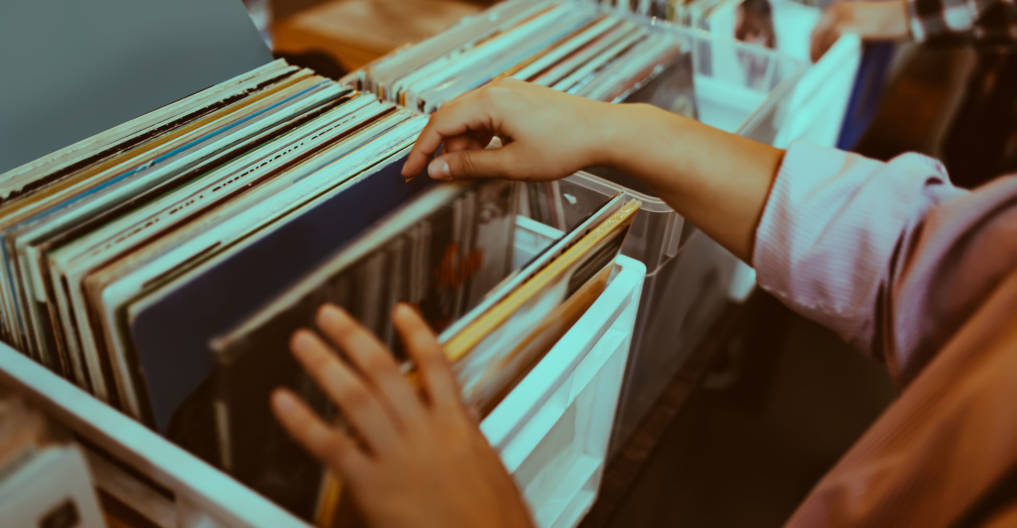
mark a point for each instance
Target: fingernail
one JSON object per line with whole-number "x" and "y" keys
{"x": 402, "y": 310}
{"x": 331, "y": 314}
{"x": 301, "y": 340}
{"x": 438, "y": 169}
{"x": 283, "y": 402}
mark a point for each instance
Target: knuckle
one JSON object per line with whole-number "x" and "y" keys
{"x": 320, "y": 361}
{"x": 342, "y": 457}
{"x": 341, "y": 332}
{"x": 353, "y": 397}
{"x": 425, "y": 345}
{"x": 331, "y": 445}
{"x": 438, "y": 368}
{"x": 484, "y": 95}
{"x": 467, "y": 163}
{"x": 378, "y": 364}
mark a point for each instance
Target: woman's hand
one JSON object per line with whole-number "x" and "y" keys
{"x": 545, "y": 134}
{"x": 870, "y": 20}
{"x": 417, "y": 458}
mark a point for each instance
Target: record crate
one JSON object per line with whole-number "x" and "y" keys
{"x": 772, "y": 96}
{"x": 689, "y": 277}
{"x": 551, "y": 430}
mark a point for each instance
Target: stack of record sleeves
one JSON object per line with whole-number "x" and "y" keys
{"x": 105, "y": 243}
{"x": 570, "y": 46}
{"x": 162, "y": 265}
{"x": 687, "y": 12}
{"x": 575, "y": 47}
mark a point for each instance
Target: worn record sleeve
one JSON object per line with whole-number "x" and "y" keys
{"x": 495, "y": 348}
{"x": 34, "y": 175}
{"x": 227, "y": 229}
{"x": 200, "y": 151}
{"x": 490, "y": 259}
{"x": 105, "y": 235}
{"x": 175, "y": 362}
{"x": 376, "y": 280}
{"x": 103, "y": 181}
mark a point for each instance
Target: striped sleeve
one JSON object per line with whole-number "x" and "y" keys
{"x": 831, "y": 227}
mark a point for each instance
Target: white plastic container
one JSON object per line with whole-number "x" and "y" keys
{"x": 690, "y": 277}
{"x": 552, "y": 429}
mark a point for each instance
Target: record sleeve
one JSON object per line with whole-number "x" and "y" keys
{"x": 174, "y": 362}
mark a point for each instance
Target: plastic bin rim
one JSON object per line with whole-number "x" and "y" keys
{"x": 652, "y": 204}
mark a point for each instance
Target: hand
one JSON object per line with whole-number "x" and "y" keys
{"x": 870, "y": 20}
{"x": 716, "y": 180}
{"x": 546, "y": 134}
{"x": 417, "y": 458}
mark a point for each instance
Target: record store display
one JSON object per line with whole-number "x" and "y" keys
{"x": 569, "y": 46}
{"x": 695, "y": 13}
{"x": 502, "y": 322}
{"x": 99, "y": 235}
{"x": 688, "y": 12}
{"x": 163, "y": 264}
{"x": 574, "y": 47}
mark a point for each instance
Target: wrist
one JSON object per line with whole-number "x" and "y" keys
{"x": 604, "y": 133}
{"x": 628, "y": 133}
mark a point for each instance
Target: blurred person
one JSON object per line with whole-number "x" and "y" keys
{"x": 754, "y": 25}
{"x": 917, "y": 273}
{"x": 981, "y": 141}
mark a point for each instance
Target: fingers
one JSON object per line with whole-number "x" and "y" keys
{"x": 817, "y": 43}
{"x": 373, "y": 359}
{"x": 357, "y": 401}
{"x": 472, "y": 164}
{"x": 331, "y": 446}
{"x": 467, "y": 114}
{"x": 823, "y": 43}
{"x": 829, "y": 28}
{"x": 469, "y": 141}
{"x": 422, "y": 346}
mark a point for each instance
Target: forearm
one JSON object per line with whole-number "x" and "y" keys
{"x": 717, "y": 181}
{"x": 876, "y": 20}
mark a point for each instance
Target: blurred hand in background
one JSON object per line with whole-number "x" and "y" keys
{"x": 870, "y": 20}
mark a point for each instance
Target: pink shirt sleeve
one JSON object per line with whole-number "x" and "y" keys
{"x": 924, "y": 276}
{"x": 870, "y": 249}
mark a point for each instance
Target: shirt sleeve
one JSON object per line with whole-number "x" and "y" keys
{"x": 923, "y": 275}
{"x": 993, "y": 21}
{"x": 891, "y": 256}
{"x": 831, "y": 226}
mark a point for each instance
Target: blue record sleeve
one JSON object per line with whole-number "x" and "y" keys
{"x": 171, "y": 336}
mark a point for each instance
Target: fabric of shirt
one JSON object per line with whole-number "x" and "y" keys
{"x": 989, "y": 21}
{"x": 922, "y": 276}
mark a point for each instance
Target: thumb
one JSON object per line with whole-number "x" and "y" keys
{"x": 469, "y": 164}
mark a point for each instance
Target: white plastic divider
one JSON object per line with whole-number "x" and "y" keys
{"x": 552, "y": 429}
{"x": 223, "y": 500}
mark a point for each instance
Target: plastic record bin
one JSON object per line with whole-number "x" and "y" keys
{"x": 552, "y": 430}
{"x": 766, "y": 95}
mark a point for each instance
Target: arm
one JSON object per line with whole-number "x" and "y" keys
{"x": 890, "y": 256}
{"x": 870, "y": 20}
{"x": 840, "y": 238}
{"x": 717, "y": 180}
{"x": 985, "y": 20}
